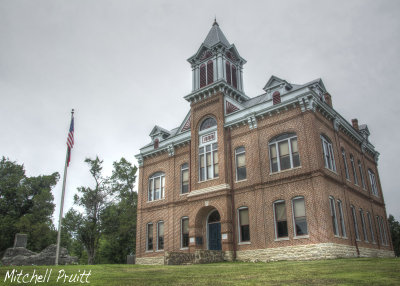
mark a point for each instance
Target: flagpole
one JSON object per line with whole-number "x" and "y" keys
{"x": 62, "y": 202}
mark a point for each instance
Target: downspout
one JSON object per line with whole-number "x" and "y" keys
{"x": 232, "y": 195}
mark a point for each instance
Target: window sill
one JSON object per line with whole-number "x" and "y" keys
{"x": 358, "y": 240}
{"x": 301, "y": 237}
{"x": 156, "y": 200}
{"x": 184, "y": 194}
{"x": 244, "y": 180}
{"x": 184, "y": 248}
{"x": 344, "y": 237}
{"x": 281, "y": 239}
{"x": 332, "y": 171}
{"x": 160, "y": 250}
{"x": 149, "y": 251}
{"x": 244, "y": 243}
{"x": 279, "y": 172}
{"x": 337, "y": 236}
{"x": 348, "y": 180}
{"x": 208, "y": 180}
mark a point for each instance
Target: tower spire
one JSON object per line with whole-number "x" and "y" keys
{"x": 215, "y": 21}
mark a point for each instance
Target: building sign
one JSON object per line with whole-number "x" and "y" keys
{"x": 208, "y": 138}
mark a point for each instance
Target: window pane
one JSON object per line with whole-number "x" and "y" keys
{"x": 241, "y": 160}
{"x": 283, "y": 148}
{"x": 202, "y": 161}
{"x": 274, "y": 164}
{"x": 216, "y": 170}
{"x": 185, "y": 176}
{"x": 215, "y": 157}
{"x": 282, "y": 230}
{"x": 241, "y": 173}
{"x": 299, "y": 209}
{"x": 245, "y": 233}
{"x": 272, "y": 149}
{"x": 301, "y": 226}
{"x": 294, "y": 145}
{"x": 239, "y": 150}
{"x": 296, "y": 160}
{"x": 149, "y": 237}
{"x": 244, "y": 216}
{"x": 280, "y": 211}
{"x": 157, "y": 183}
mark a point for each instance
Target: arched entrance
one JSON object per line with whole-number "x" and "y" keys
{"x": 214, "y": 231}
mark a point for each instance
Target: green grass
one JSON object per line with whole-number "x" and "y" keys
{"x": 362, "y": 271}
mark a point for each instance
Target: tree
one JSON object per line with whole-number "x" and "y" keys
{"x": 394, "y": 226}
{"x": 26, "y": 206}
{"x": 119, "y": 219}
{"x": 94, "y": 201}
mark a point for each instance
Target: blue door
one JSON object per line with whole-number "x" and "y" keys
{"x": 214, "y": 236}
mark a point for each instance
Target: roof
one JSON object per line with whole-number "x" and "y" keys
{"x": 215, "y": 36}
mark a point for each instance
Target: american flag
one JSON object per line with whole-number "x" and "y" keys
{"x": 70, "y": 139}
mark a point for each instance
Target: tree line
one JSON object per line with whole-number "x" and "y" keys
{"x": 100, "y": 228}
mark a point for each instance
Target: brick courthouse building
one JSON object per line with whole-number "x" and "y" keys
{"x": 279, "y": 176}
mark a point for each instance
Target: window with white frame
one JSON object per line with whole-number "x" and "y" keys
{"x": 185, "y": 178}
{"x": 362, "y": 175}
{"x": 149, "y": 236}
{"x": 208, "y": 150}
{"x": 346, "y": 169}
{"x": 378, "y": 219}
{"x": 371, "y": 229}
{"x": 327, "y": 149}
{"x": 156, "y": 187}
{"x": 299, "y": 216}
{"x": 160, "y": 235}
{"x": 206, "y": 73}
{"x": 333, "y": 216}
{"x": 372, "y": 180}
{"x": 185, "y": 232}
{"x": 240, "y": 156}
{"x": 353, "y": 212}
{"x": 363, "y": 225}
{"x": 244, "y": 224}
{"x": 354, "y": 169}
{"x": 284, "y": 153}
{"x": 281, "y": 229}
{"x": 341, "y": 218}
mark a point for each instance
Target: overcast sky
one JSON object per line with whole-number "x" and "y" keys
{"x": 122, "y": 66}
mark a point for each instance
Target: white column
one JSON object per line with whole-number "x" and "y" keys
{"x": 196, "y": 80}
{"x": 215, "y": 70}
{"x": 220, "y": 67}
{"x": 241, "y": 78}
{"x": 193, "y": 79}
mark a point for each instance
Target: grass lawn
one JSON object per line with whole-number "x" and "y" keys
{"x": 361, "y": 271}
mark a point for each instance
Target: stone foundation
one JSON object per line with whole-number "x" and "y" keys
{"x": 309, "y": 252}
{"x": 158, "y": 260}
{"x": 208, "y": 256}
{"x": 178, "y": 258}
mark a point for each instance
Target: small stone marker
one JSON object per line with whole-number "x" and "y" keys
{"x": 20, "y": 240}
{"x": 130, "y": 259}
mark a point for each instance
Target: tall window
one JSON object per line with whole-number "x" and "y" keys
{"x": 284, "y": 153}
{"x": 354, "y": 169}
{"x": 185, "y": 232}
{"x": 210, "y": 72}
{"x": 156, "y": 186}
{"x": 371, "y": 230}
{"x": 364, "y": 227}
{"x": 203, "y": 77}
{"x": 328, "y": 153}
{"x": 149, "y": 241}
{"x": 353, "y": 212}
{"x": 234, "y": 76}
{"x": 185, "y": 178}
{"x": 341, "y": 218}
{"x": 208, "y": 150}
{"x": 346, "y": 169}
{"x": 362, "y": 175}
{"x": 228, "y": 72}
{"x": 333, "y": 216}
{"x": 244, "y": 225}
{"x": 240, "y": 156}
{"x": 299, "y": 216}
{"x": 281, "y": 229}
{"x": 384, "y": 231}
{"x": 160, "y": 235}
{"x": 372, "y": 180}
{"x": 378, "y": 219}
{"x": 276, "y": 97}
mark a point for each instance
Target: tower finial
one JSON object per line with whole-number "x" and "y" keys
{"x": 215, "y": 21}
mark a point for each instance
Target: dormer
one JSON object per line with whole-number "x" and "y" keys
{"x": 364, "y": 131}
{"x": 158, "y": 134}
{"x": 216, "y": 60}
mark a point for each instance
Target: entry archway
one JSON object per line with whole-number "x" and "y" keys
{"x": 214, "y": 230}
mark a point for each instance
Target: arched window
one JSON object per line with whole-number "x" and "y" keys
{"x": 240, "y": 158}
{"x": 234, "y": 76}
{"x": 208, "y": 123}
{"x": 210, "y": 72}
{"x": 371, "y": 228}
{"x": 353, "y": 213}
{"x": 156, "y": 143}
{"x": 372, "y": 180}
{"x": 346, "y": 169}
{"x": 281, "y": 229}
{"x": 203, "y": 79}
{"x": 160, "y": 235}
{"x": 284, "y": 153}
{"x": 353, "y": 167}
{"x": 185, "y": 178}
{"x": 276, "y": 98}
{"x": 149, "y": 236}
{"x": 327, "y": 149}
{"x": 341, "y": 218}
{"x": 299, "y": 216}
{"x": 362, "y": 175}
{"x": 185, "y": 232}
{"x": 156, "y": 186}
{"x": 333, "y": 216}
{"x": 244, "y": 224}
{"x": 363, "y": 225}
{"x": 228, "y": 72}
